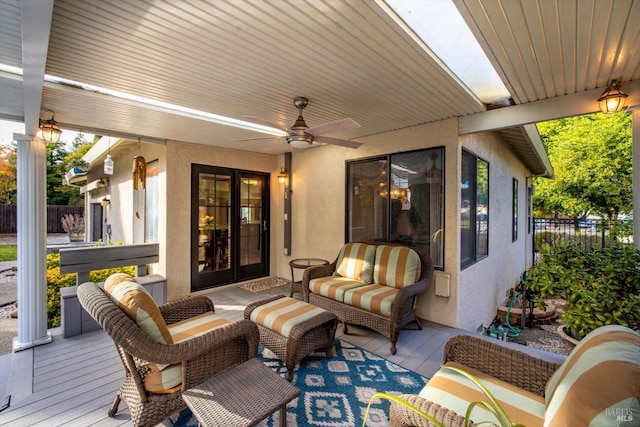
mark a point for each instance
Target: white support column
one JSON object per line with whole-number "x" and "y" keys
{"x": 635, "y": 136}
{"x": 32, "y": 244}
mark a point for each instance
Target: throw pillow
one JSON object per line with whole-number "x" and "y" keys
{"x": 598, "y": 383}
{"x": 355, "y": 261}
{"x": 139, "y": 305}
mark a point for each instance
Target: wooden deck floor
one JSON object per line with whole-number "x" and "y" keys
{"x": 73, "y": 381}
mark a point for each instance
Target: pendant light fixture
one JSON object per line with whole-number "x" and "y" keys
{"x": 108, "y": 162}
{"x": 49, "y": 129}
{"x": 613, "y": 99}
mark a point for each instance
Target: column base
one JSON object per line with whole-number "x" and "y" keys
{"x": 19, "y": 346}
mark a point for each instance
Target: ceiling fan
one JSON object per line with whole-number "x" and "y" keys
{"x": 302, "y": 136}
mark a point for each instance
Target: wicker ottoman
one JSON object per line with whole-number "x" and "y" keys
{"x": 293, "y": 329}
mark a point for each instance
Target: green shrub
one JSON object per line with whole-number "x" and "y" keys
{"x": 600, "y": 285}
{"x": 56, "y": 280}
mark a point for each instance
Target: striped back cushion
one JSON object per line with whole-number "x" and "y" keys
{"x": 599, "y": 382}
{"x": 283, "y": 314}
{"x": 355, "y": 261}
{"x": 396, "y": 266}
{"x": 136, "y": 302}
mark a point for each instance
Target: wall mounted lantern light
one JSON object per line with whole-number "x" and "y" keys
{"x": 49, "y": 129}
{"x": 105, "y": 202}
{"x": 282, "y": 177}
{"x": 613, "y": 99}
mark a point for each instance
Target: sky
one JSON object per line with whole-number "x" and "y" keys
{"x": 8, "y": 128}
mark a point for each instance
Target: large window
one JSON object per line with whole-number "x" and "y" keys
{"x": 474, "y": 209}
{"x": 398, "y": 198}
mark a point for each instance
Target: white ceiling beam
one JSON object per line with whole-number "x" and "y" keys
{"x": 539, "y": 111}
{"x": 36, "y": 26}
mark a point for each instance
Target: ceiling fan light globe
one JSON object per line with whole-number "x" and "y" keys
{"x": 300, "y": 143}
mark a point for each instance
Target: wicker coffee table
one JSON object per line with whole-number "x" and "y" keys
{"x": 241, "y": 396}
{"x": 304, "y": 328}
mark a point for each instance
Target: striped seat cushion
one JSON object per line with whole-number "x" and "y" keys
{"x": 599, "y": 382}
{"x": 355, "y": 261}
{"x": 333, "y": 287}
{"x": 456, "y": 392}
{"x": 283, "y": 314}
{"x": 396, "y": 266}
{"x": 136, "y": 302}
{"x": 373, "y": 298}
{"x": 160, "y": 378}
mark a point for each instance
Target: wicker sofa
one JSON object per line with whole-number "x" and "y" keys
{"x": 371, "y": 284}
{"x": 597, "y": 384}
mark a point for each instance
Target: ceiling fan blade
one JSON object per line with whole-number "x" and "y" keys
{"x": 336, "y": 141}
{"x": 259, "y": 138}
{"x": 344, "y": 124}
{"x": 264, "y": 122}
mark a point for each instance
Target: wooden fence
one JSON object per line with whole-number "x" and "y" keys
{"x": 9, "y": 218}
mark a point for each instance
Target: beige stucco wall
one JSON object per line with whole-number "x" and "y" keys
{"x": 318, "y": 201}
{"x": 178, "y": 189}
{"x": 121, "y": 213}
{"x": 482, "y": 286}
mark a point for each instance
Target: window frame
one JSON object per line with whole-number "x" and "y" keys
{"x": 468, "y": 258}
{"x": 383, "y": 230}
{"x": 514, "y": 218}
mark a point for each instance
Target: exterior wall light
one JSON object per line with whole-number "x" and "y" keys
{"x": 282, "y": 177}
{"x": 49, "y": 129}
{"x": 613, "y": 99}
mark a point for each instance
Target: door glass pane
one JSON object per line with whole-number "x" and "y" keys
{"x": 367, "y": 201}
{"x": 214, "y": 214}
{"x": 417, "y": 183}
{"x": 251, "y": 221}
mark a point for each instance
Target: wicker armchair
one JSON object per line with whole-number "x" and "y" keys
{"x": 528, "y": 370}
{"x": 401, "y": 311}
{"x": 201, "y": 357}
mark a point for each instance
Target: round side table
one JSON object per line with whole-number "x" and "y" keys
{"x": 301, "y": 264}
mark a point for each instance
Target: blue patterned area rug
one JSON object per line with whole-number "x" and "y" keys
{"x": 334, "y": 392}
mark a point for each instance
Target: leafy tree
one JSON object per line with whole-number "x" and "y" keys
{"x": 591, "y": 158}
{"x": 58, "y": 157}
{"x": 58, "y": 163}
{"x": 7, "y": 174}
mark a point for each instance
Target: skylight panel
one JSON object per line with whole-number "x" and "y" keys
{"x": 155, "y": 104}
{"x": 441, "y": 27}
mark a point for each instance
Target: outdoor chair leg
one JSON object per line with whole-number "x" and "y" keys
{"x": 114, "y": 408}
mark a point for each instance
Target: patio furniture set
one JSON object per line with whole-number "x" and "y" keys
{"x": 182, "y": 353}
